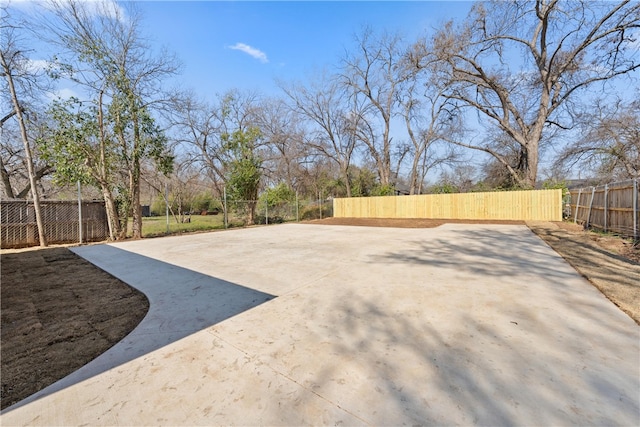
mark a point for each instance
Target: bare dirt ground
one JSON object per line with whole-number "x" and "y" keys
{"x": 58, "y": 311}
{"x": 610, "y": 263}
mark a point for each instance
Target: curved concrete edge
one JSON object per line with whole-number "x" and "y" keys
{"x": 456, "y": 325}
{"x": 174, "y": 312}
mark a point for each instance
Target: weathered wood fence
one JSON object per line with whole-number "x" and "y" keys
{"x": 61, "y": 219}
{"x": 544, "y": 205}
{"x": 610, "y": 208}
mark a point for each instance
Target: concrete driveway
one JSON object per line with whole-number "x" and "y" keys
{"x": 329, "y": 325}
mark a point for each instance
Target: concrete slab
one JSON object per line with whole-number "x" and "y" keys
{"x": 314, "y": 325}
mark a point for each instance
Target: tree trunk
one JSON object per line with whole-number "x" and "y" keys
{"x": 413, "y": 177}
{"x": 347, "y": 181}
{"x": 528, "y": 167}
{"x": 6, "y": 183}
{"x": 135, "y": 202}
{"x": 531, "y": 167}
{"x": 109, "y": 203}
{"x": 137, "y": 213}
{"x": 27, "y": 151}
{"x": 251, "y": 212}
{"x": 383, "y": 167}
{"x": 112, "y": 213}
{"x": 124, "y": 225}
{"x": 135, "y": 175}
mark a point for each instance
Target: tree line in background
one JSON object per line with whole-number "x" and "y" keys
{"x": 515, "y": 82}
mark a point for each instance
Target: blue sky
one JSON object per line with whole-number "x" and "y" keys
{"x": 248, "y": 45}
{"x": 245, "y": 45}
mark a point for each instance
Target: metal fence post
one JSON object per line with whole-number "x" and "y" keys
{"x": 635, "y": 210}
{"x": 79, "y": 212}
{"x": 575, "y": 217}
{"x": 297, "y": 209}
{"x": 225, "y": 207}
{"x": 266, "y": 213}
{"x": 166, "y": 204}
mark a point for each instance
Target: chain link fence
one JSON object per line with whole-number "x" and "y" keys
{"x": 239, "y": 212}
{"x": 62, "y": 219}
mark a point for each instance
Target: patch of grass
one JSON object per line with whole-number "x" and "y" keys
{"x": 157, "y": 226}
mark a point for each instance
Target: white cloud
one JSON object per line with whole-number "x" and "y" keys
{"x": 94, "y": 8}
{"x": 38, "y": 65}
{"x": 63, "y": 94}
{"x": 108, "y": 8}
{"x": 252, "y": 51}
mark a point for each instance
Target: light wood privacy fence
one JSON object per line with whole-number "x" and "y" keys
{"x": 544, "y": 205}
{"x": 612, "y": 207}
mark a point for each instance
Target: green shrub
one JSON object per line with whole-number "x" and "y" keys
{"x": 312, "y": 211}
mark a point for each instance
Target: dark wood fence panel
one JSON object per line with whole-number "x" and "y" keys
{"x": 61, "y": 222}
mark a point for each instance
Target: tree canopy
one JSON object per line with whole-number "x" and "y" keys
{"x": 484, "y": 102}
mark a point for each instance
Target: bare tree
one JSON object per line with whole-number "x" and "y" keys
{"x": 334, "y": 119}
{"x": 197, "y": 126}
{"x": 566, "y": 48}
{"x": 430, "y": 120}
{"x": 14, "y": 176}
{"x": 609, "y": 142}
{"x": 16, "y": 71}
{"x": 372, "y": 76}
{"x": 183, "y": 188}
{"x": 285, "y": 148}
{"x": 200, "y": 127}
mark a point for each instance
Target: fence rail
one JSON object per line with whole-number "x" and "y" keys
{"x": 610, "y": 208}
{"x": 61, "y": 220}
{"x": 544, "y": 205}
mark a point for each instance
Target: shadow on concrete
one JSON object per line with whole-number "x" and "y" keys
{"x": 512, "y": 254}
{"x": 574, "y": 363}
{"x": 473, "y": 373}
{"x": 498, "y": 253}
{"x": 491, "y": 252}
{"x": 181, "y": 302}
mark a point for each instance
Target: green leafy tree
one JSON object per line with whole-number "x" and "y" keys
{"x": 86, "y": 146}
{"x": 104, "y": 51}
{"x": 139, "y": 138}
{"x": 278, "y": 195}
{"x": 364, "y": 181}
{"x": 444, "y": 188}
{"x": 244, "y": 168}
{"x": 80, "y": 150}
{"x": 278, "y": 200}
{"x": 383, "y": 190}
